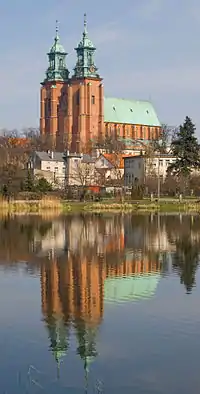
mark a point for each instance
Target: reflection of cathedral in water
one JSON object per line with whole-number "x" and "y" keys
{"x": 76, "y": 287}
{"x": 85, "y": 262}
{"x": 88, "y": 261}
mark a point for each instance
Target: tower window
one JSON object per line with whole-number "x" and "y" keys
{"x": 93, "y": 99}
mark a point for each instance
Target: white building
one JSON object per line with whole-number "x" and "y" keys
{"x": 137, "y": 168}
{"x": 63, "y": 169}
{"x": 80, "y": 169}
{"x": 50, "y": 165}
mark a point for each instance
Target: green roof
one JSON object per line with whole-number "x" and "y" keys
{"x": 130, "y": 288}
{"x": 57, "y": 47}
{"x": 130, "y": 112}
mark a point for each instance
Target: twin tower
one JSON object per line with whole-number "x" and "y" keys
{"x": 72, "y": 107}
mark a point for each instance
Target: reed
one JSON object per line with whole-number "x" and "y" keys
{"x": 109, "y": 207}
{"x": 43, "y": 205}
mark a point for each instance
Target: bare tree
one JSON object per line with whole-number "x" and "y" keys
{"x": 83, "y": 174}
{"x": 168, "y": 133}
{"x": 109, "y": 144}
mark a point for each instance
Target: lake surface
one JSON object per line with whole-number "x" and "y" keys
{"x": 100, "y": 303}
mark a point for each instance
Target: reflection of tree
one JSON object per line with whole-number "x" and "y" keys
{"x": 185, "y": 260}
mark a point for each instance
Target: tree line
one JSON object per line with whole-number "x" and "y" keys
{"x": 183, "y": 174}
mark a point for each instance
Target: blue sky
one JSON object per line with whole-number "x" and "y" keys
{"x": 146, "y": 49}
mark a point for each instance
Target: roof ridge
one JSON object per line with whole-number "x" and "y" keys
{"x": 125, "y": 99}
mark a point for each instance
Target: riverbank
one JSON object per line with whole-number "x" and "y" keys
{"x": 56, "y": 206}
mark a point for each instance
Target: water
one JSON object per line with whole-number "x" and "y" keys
{"x": 105, "y": 304}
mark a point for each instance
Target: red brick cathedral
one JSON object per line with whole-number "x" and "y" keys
{"x": 74, "y": 110}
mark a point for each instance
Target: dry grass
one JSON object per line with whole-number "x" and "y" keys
{"x": 40, "y": 206}
{"x": 109, "y": 207}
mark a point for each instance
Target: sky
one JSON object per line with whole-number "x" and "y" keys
{"x": 146, "y": 49}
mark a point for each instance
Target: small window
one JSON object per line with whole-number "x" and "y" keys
{"x": 48, "y": 168}
{"x": 114, "y": 108}
{"x": 131, "y": 109}
{"x": 147, "y": 111}
{"x": 93, "y": 99}
{"x": 56, "y": 168}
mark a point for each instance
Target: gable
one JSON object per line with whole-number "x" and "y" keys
{"x": 102, "y": 162}
{"x": 134, "y": 112}
{"x": 45, "y": 156}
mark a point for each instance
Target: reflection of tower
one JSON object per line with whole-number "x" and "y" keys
{"x": 52, "y": 310}
{"x": 87, "y": 287}
{"x": 58, "y": 335}
{"x": 86, "y": 346}
{"x": 75, "y": 289}
{"x": 72, "y": 291}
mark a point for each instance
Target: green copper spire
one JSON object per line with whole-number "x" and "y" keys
{"x": 57, "y": 70}
{"x": 59, "y": 341}
{"x": 85, "y": 65}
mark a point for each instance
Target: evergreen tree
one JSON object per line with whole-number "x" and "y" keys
{"x": 43, "y": 186}
{"x": 186, "y": 149}
{"x": 28, "y": 184}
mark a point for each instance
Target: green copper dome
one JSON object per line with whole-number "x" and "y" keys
{"x": 85, "y": 65}
{"x": 57, "y": 70}
{"x": 58, "y": 335}
{"x": 57, "y": 47}
{"x": 85, "y": 42}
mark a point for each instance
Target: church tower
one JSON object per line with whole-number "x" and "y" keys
{"x": 72, "y": 109}
{"x": 52, "y": 88}
{"x": 88, "y": 96}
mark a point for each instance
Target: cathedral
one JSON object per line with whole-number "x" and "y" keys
{"x": 74, "y": 110}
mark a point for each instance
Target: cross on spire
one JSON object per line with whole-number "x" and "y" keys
{"x": 56, "y": 28}
{"x": 85, "y": 23}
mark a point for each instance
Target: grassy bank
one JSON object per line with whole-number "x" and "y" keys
{"x": 144, "y": 207}
{"x": 56, "y": 206}
{"x": 26, "y": 207}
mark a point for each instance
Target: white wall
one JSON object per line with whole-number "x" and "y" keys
{"x": 133, "y": 170}
{"x": 136, "y": 168}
